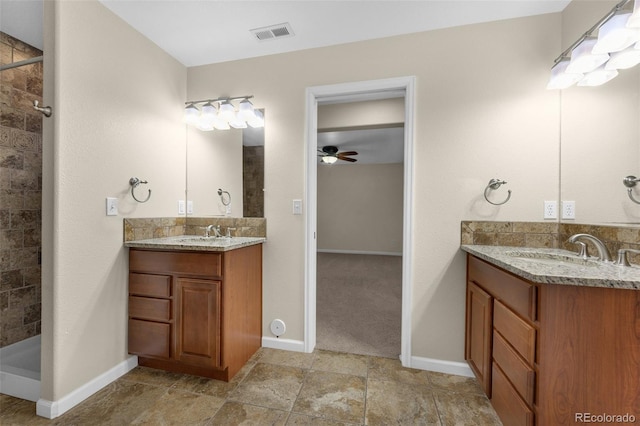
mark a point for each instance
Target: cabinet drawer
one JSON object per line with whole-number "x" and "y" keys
{"x": 149, "y": 338}
{"x": 505, "y": 400}
{"x": 521, "y": 376}
{"x": 151, "y": 309}
{"x": 201, "y": 264}
{"x": 513, "y": 291}
{"x": 520, "y": 335}
{"x": 150, "y": 285}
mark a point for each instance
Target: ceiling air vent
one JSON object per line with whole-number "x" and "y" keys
{"x": 273, "y": 31}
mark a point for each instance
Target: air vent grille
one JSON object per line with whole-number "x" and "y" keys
{"x": 272, "y": 32}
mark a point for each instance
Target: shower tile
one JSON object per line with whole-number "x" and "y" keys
{"x": 331, "y": 395}
{"x": 269, "y": 385}
{"x": 400, "y": 403}
{"x": 236, "y": 413}
{"x": 11, "y": 158}
{"x": 10, "y": 280}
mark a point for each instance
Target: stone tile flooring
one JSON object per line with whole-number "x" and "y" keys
{"x": 279, "y": 388}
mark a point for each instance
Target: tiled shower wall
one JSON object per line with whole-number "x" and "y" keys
{"x": 20, "y": 193}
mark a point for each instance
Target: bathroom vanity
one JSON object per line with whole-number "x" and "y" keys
{"x": 195, "y": 303}
{"x": 553, "y": 343}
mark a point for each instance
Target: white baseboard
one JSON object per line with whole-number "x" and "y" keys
{"x": 53, "y": 409}
{"x": 284, "y": 344}
{"x": 441, "y": 366}
{"x": 377, "y": 253}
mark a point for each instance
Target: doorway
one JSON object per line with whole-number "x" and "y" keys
{"x": 402, "y": 87}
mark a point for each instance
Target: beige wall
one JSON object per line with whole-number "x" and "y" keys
{"x": 117, "y": 104}
{"x": 600, "y": 133}
{"x": 482, "y": 111}
{"x": 363, "y": 113}
{"x": 360, "y": 208}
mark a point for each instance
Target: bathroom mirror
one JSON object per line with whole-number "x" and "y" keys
{"x": 231, "y": 160}
{"x": 599, "y": 135}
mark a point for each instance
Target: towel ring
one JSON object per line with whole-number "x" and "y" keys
{"x": 134, "y": 182}
{"x": 630, "y": 182}
{"x": 220, "y": 193}
{"x": 493, "y": 185}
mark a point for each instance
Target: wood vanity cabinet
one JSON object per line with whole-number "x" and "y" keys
{"x": 195, "y": 312}
{"x": 552, "y": 354}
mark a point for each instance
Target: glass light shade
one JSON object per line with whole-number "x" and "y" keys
{"x": 191, "y": 114}
{"x": 204, "y": 125}
{"x": 237, "y": 123}
{"x": 208, "y": 113}
{"x": 221, "y": 124}
{"x": 628, "y": 58}
{"x": 560, "y": 79}
{"x": 615, "y": 36}
{"x": 634, "y": 19}
{"x": 598, "y": 77}
{"x": 245, "y": 110}
{"x": 226, "y": 111}
{"x": 258, "y": 119}
{"x": 329, "y": 159}
{"x": 582, "y": 60}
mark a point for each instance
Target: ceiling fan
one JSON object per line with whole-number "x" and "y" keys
{"x": 329, "y": 154}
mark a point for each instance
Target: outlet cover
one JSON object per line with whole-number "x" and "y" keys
{"x": 550, "y": 209}
{"x": 568, "y": 209}
{"x": 181, "y": 208}
{"x": 189, "y": 207}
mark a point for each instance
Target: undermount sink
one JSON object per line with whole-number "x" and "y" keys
{"x": 551, "y": 258}
{"x": 199, "y": 238}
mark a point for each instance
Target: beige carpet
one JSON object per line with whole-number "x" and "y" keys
{"x": 359, "y": 304}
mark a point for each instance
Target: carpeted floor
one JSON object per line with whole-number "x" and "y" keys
{"x": 359, "y": 304}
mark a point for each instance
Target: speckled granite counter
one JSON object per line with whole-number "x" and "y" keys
{"x": 530, "y": 264}
{"x": 196, "y": 243}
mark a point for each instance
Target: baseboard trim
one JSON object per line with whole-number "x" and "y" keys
{"x": 441, "y": 366}
{"x": 53, "y": 409}
{"x": 376, "y": 253}
{"x": 284, "y": 344}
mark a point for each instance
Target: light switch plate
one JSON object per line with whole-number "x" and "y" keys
{"x": 112, "y": 206}
{"x": 181, "y": 208}
{"x": 189, "y": 207}
{"x": 297, "y": 206}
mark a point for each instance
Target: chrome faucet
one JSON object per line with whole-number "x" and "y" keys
{"x": 603, "y": 253}
{"x": 214, "y": 228}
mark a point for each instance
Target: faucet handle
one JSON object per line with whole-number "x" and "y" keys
{"x": 229, "y": 231}
{"x": 583, "y": 252}
{"x": 622, "y": 256}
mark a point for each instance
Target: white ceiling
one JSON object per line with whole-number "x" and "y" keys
{"x": 372, "y": 145}
{"x": 198, "y": 32}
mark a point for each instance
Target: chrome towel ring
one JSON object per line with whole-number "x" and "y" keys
{"x": 220, "y": 193}
{"x": 493, "y": 185}
{"x": 630, "y": 182}
{"x": 134, "y": 182}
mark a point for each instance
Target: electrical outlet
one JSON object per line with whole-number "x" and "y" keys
{"x": 568, "y": 209}
{"x": 181, "y": 209}
{"x": 112, "y": 206}
{"x": 550, "y": 210}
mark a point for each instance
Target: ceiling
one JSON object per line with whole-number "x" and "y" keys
{"x": 374, "y": 146}
{"x": 198, "y": 32}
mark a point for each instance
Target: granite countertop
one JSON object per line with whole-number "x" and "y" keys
{"x": 196, "y": 243}
{"x": 536, "y": 265}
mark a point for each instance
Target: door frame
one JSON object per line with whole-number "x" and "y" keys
{"x": 352, "y": 92}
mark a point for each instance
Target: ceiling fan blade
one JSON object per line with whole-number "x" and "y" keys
{"x": 351, "y": 160}
{"x": 348, "y": 153}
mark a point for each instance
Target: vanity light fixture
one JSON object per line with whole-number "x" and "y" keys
{"x": 220, "y": 114}
{"x": 594, "y": 61}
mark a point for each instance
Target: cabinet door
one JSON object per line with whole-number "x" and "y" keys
{"x": 478, "y": 334}
{"x": 198, "y": 322}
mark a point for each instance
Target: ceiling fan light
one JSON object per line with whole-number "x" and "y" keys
{"x": 598, "y": 77}
{"x": 560, "y": 79}
{"x": 191, "y": 114}
{"x": 628, "y": 58}
{"x": 583, "y": 60}
{"x": 329, "y": 159}
{"x": 615, "y": 35}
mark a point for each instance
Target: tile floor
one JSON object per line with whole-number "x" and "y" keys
{"x": 279, "y": 388}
